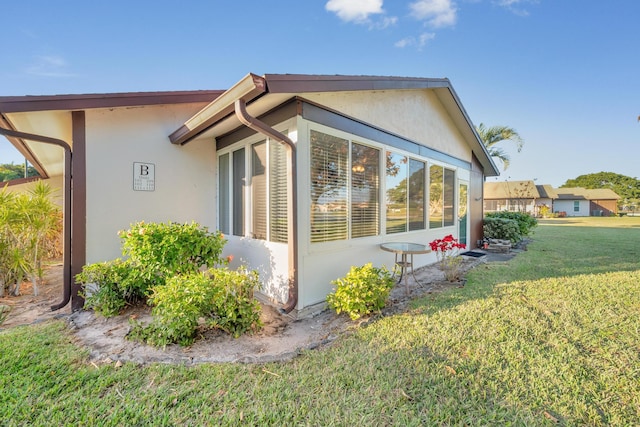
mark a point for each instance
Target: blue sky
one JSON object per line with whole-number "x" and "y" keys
{"x": 564, "y": 73}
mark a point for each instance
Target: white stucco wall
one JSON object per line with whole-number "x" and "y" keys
{"x": 568, "y": 207}
{"x": 184, "y": 175}
{"x": 416, "y": 115}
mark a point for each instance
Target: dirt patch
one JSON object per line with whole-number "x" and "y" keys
{"x": 282, "y": 337}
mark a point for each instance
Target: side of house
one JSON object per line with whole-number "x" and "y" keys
{"x": 305, "y": 175}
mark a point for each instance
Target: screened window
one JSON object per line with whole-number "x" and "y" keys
{"x": 416, "y": 195}
{"x": 441, "y": 197}
{"x": 223, "y": 191}
{"x": 329, "y": 160}
{"x": 405, "y": 194}
{"x": 365, "y": 168}
{"x": 448, "y": 197}
{"x": 238, "y": 192}
{"x": 396, "y": 193}
{"x": 576, "y": 206}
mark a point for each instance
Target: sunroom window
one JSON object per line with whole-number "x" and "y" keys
{"x": 441, "y": 197}
{"x": 405, "y": 194}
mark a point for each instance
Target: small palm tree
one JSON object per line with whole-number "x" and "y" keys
{"x": 495, "y": 134}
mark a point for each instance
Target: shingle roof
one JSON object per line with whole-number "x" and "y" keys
{"x": 511, "y": 190}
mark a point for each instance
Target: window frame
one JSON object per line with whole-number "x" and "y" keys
{"x": 247, "y": 201}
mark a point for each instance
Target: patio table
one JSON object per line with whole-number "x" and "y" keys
{"x": 405, "y": 250}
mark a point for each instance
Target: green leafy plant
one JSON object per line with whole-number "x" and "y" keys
{"x": 526, "y": 223}
{"x": 29, "y": 224}
{"x": 234, "y": 309}
{"x": 447, "y": 250}
{"x": 156, "y": 252}
{"x": 110, "y": 286}
{"x": 501, "y": 228}
{"x": 362, "y": 291}
{"x": 223, "y": 298}
{"x": 171, "y": 248}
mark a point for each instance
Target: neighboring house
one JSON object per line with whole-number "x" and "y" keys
{"x": 525, "y": 196}
{"x": 306, "y": 175}
{"x": 586, "y": 202}
{"x": 517, "y": 196}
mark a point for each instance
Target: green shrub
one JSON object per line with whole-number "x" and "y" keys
{"x": 235, "y": 310}
{"x": 156, "y": 251}
{"x": 526, "y": 223}
{"x": 222, "y": 297}
{"x": 501, "y": 228}
{"x": 171, "y": 248}
{"x": 362, "y": 291}
{"x": 109, "y": 287}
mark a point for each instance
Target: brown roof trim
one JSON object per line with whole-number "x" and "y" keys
{"x": 17, "y": 104}
{"x": 301, "y": 83}
{"x": 19, "y": 181}
{"x": 247, "y": 89}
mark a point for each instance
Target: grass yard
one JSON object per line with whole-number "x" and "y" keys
{"x": 551, "y": 337}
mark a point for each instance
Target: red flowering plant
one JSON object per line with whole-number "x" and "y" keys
{"x": 447, "y": 250}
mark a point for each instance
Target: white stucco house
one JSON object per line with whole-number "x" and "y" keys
{"x": 306, "y": 175}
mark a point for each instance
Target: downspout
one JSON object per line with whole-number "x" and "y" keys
{"x": 66, "y": 262}
{"x": 292, "y": 209}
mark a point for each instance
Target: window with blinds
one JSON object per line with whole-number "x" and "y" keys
{"x": 259, "y": 190}
{"x": 365, "y": 209}
{"x": 329, "y": 180}
{"x": 278, "y": 194}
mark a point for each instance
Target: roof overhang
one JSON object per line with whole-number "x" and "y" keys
{"x": 49, "y": 115}
{"x": 261, "y": 94}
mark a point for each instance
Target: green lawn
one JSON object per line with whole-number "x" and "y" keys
{"x": 553, "y": 336}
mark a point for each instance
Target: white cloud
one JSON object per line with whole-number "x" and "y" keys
{"x": 355, "y": 10}
{"x": 436, "y": 13}
{"x": 50, "y": 66}
{"x": 515, "y": 6}
{"x": 385, "y": 22}
{"x": 420, "y": 42}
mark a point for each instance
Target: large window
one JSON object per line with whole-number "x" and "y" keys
{"x": 405, "y": 194}
{"x": 253, "y": 183}
{"x": 365, "y": 208}
{"x": 344, "y": 189}
{"x": 329, "y": 160}
{"x": 441, "y": 197}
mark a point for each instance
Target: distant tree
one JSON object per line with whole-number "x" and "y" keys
{"x": 10, "y": 171}
{"x": 496, "y": 134}
{"x": 626, "y": 187}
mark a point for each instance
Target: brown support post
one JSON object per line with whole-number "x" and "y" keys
{"x": 79, "y": 206}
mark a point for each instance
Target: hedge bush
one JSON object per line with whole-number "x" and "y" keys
{"x": 362, "y": 291}
{"x": 223, "y": 298}
{"x": 501, "y": 228}
{"x": 526, "y": 223}
{"x": 156, "y": 252}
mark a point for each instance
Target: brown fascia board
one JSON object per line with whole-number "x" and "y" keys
{"x": 248, "y": 89}
{"x": 302, "y": 83}
{"x": 18, "y": 104}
